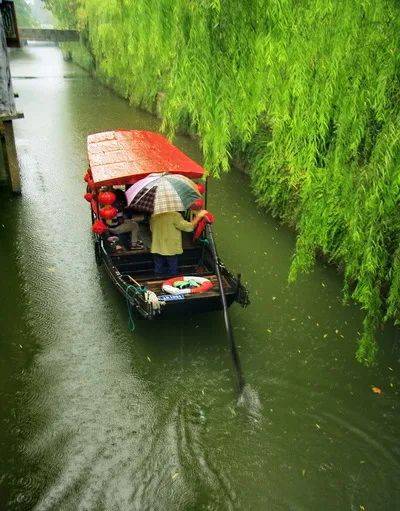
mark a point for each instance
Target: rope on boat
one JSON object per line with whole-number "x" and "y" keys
{"x": 132, "y": 291}
{"x": 204, "y": 242}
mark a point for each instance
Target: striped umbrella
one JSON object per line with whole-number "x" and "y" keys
{"x": 160, "y": 193}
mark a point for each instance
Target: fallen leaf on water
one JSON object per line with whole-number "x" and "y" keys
{"x": 325, "y": 336}
{"x": 376, "y": 390}
{"x": 303, "y": 472}
{"x": 175, "y": 475}
{"x": 148, "y": 358}
{"x": 274, "y": 298}
{"x": 318, "y": 426}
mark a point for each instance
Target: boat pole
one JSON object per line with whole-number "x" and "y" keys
{"x": 240, "y": 383}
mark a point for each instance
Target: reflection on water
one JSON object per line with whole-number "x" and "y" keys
{"x": 96, "y": 418}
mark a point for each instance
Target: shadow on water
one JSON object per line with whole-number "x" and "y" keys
{"x": 193, "y": 335}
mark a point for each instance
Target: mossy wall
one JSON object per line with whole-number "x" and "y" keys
{"x": 306, "y": 92}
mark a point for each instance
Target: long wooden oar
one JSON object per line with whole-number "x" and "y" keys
{"x": 240, "y": 383}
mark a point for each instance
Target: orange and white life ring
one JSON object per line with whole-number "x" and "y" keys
{"x": 170, "y": 285}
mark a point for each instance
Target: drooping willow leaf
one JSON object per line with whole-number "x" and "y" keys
{"x": 307, "y": 91}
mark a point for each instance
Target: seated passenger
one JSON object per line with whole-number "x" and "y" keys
{"x": 166, "y": 243}
{"x": 126, "y": 222}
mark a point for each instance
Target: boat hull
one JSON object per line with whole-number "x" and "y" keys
{"x": 133, "y": 274}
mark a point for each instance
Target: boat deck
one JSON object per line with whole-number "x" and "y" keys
{"x": 137, "y": 266}
{"x": 156, "y": 286}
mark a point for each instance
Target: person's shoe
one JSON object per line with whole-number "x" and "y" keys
{"x": 137, "y": 246}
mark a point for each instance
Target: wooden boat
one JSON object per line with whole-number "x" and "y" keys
{"x": 121, "y": 158}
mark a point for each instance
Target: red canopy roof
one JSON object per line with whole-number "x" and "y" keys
{"x": 124, "y": 157}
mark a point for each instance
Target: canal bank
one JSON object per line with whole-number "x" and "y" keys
{"x": 95, "y": 417}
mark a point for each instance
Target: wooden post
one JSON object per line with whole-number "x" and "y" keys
{"x": 8, "y": 112}
{"x": 7, "y": 9}
{"x": 10, "y": 157}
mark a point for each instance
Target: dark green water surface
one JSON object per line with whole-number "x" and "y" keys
{"x": 94, "y": 417}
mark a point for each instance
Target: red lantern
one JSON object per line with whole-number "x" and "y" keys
{"x": 90, "y": 183}
{"x": 98, "y": 227}
{"x": 197, "y": 204}
{"x": 88, "y": 196}
{"x": 201, "y": 188}
{"x": 107, "y": 198}
{"x": 108, "y": 212}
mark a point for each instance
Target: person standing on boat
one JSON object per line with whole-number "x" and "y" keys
{"x": 166, "y": 243}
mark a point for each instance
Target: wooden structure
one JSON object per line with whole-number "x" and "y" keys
{"x": 9, "y": 17}
{"x": 47, "y": 34}
{"x": 8, "y": 111}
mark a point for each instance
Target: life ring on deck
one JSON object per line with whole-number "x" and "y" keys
{"x": 187, "y": 285}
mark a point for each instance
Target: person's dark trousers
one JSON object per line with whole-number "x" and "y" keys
{"x": 165, "y": 265}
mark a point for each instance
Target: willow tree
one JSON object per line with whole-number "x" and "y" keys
{"x": 24, "y": 14}
{"x": 308, "y": 92}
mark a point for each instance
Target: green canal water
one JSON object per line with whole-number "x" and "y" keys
{"x": 94, "y": 417}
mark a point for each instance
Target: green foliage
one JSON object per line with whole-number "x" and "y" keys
{"x": 307, "y": 91}
{"x": 24, "y": 14}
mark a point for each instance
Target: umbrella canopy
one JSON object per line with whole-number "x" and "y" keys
{"x": 162, "y": 193}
